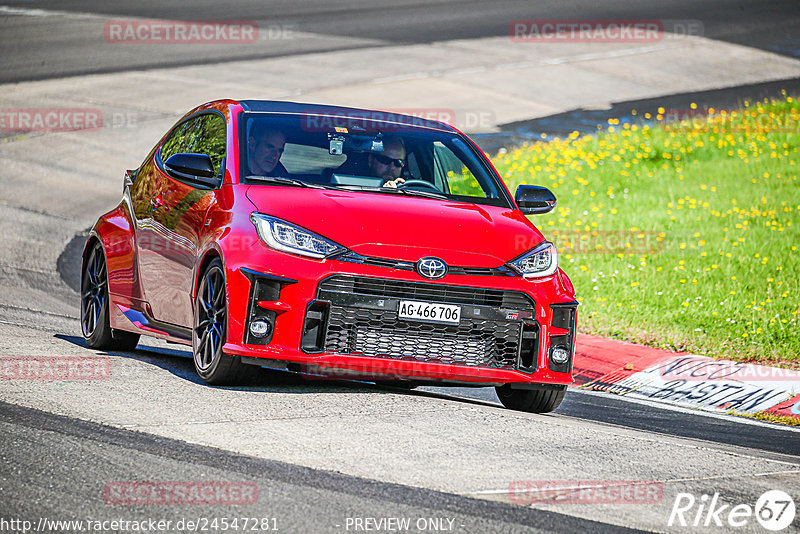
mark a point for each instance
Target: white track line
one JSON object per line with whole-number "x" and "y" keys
{"x": 26, "y": 12}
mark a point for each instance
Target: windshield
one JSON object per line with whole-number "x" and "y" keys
{"x": 375, "y": 156}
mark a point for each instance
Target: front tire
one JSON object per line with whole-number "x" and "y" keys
{"x": 95, "y": 325}
{"x": 209, "y": 330}
{"x": 531, "y": 400}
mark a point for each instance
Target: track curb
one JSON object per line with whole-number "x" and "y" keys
{"x": 684, "y": 379}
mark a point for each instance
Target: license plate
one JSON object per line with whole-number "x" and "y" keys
{"x": 429, "y": 312}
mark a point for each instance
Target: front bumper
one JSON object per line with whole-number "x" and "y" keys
{"x": 336, "y": 319}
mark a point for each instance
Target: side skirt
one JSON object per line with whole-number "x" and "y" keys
{"x": 139, "y": 321}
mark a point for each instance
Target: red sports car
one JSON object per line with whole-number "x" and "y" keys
{"x": 335, "y": 242}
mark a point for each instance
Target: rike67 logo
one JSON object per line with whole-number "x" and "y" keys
{"x": 774, "y": 510}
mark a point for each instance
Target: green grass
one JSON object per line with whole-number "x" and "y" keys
{"x": 680, "y": 235}
{"x": 772, "y": 418}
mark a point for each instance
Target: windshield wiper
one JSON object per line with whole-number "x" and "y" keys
{"x": 282, "y": 180}
{"x": 418, "y": 193}
{"x": 395, "y": 190}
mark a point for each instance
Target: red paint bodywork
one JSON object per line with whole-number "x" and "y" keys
{"x": 154, "y": 264}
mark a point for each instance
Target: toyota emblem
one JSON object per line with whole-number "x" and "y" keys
{"x": 432, "y": 268}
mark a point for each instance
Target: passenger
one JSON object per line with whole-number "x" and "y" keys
{"x": 388, "y": 164}
{"x": 265, "y": 148}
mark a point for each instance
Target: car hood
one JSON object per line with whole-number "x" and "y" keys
{"x": 403, "y": 228}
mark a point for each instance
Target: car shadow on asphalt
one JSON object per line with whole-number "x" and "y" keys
{"x": 179, "y": 363}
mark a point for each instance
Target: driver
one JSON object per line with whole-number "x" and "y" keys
{"x": 388, "y": 164}
{"x": 265, "y": 148}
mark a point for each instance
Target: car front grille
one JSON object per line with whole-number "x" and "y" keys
{"x": 362, "y": 319}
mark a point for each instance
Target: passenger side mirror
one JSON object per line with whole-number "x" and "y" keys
{"x": 534, "y": 199}
{"x": 196, "y": 168}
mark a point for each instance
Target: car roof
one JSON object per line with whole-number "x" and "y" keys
{"x": 276, "y": 106}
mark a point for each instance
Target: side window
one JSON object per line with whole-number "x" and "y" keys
{"x": 448, "y": 168}
{"x": 204, "y": 134}
{"x": 175, "y": 142}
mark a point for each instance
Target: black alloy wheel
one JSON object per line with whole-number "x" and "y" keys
{"x": 95, "y": 324}
{"x": 209, "y": 331}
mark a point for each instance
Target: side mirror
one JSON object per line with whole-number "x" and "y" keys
{"x": 192, "y": 167}
{"x": 534, "y": 199}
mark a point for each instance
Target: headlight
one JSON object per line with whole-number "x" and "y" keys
{"x": 285, "y": 236}
{"x": 541, "y": 261}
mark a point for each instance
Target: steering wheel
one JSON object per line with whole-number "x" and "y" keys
{"x": 418, "y": 183}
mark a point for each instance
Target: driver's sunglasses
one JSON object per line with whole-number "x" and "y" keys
{"x": 386, "y": 160}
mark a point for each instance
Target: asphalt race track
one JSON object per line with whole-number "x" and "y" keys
{"x": 58, "y": 41}
{"x": 336, "y": 456}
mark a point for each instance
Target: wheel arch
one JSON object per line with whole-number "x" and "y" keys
{"x": 114, "y": 230}
{"x": 94, "y": 238}
{"x": 91, "y": 239}
{"x": 210, "y": 255}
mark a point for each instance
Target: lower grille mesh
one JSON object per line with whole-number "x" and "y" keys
{"x": 379, "y": 333}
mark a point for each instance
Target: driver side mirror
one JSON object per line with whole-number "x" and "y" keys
{"x": 196, "y": 168}
{"x": 534, "y": 199}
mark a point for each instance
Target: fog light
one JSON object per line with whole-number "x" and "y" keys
{"x": 559, "y": 355}
{"x": 260, "y": 328}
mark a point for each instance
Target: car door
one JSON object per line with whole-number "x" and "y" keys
{"x": 169, "y": 239}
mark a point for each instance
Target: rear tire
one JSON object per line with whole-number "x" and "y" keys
{"x": 209, "y": 331}
{"x": 95, "y": 325}
{"x": 531, "y": 400}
